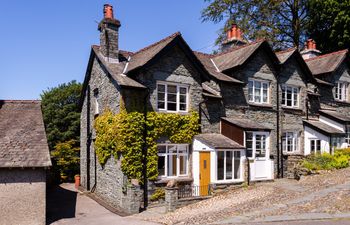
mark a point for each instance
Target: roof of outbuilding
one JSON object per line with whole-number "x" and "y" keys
{"x": 246, "y": 124}
{"x": 322, "y": 127}
{"x": 218, "y": 141}
{"x": 336, "y": 115}
{"x": 23, "y": 140}
{"x": 326, "y": 63}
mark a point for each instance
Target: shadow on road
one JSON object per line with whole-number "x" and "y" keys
{"x": 60, "y": 204}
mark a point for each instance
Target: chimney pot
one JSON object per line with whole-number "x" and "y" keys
{"x": 310, "y": 44}
{"x": 108, "y": 11}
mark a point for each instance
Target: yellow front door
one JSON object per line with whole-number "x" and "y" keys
{"x": 204, "y": 173}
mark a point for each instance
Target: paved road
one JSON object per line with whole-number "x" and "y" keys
{"x": 67, "y": 207}
{"x": 310, "y": 222}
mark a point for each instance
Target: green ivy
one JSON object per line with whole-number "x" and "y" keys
{"x": 121, "y": 135}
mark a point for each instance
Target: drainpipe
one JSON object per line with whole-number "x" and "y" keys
{"x": 307, "y": 107}
{"x": 277, "y": 131}
{"x": 144, "y": 151}
{"x": 248, "y": 163}
{"x": 88, "y": 141}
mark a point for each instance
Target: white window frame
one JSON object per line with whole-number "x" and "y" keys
{"x": 314, "y": 151}
{"x": 97, "y": 106}
{"x": 178, "y": 86}
{"x": 166, "y": 154}
{"x": 295, "y": 141}
{"x": 341, "y": 91}
{"x": 295, "y": 90}
{"x": 261, "y": 101}
{"x": 233, "y": 159}
{"x": 267, "y": 143}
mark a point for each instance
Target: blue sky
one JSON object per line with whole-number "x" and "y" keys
{"x": 46, "y": 43}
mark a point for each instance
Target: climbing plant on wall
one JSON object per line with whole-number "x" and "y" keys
{"x": 122, "y": 135}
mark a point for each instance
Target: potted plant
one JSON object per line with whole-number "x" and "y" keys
{"x": 77, "y": 181}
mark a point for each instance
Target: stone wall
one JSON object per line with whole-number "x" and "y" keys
{"x": 23, "y": 196}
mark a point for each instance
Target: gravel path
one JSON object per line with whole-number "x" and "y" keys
{"x": 325, "y": 193}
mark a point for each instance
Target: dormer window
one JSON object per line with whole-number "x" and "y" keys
{"x": 258, "y": 92}
{"x": 172, "y": 97}
{"x": 341, "y": 91}
{"x": 290, "y": 96}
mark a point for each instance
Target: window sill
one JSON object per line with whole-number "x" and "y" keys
{"x": 228, "y": 181}
{"x": 297, "y": 153}
{"x": 174, "y": 112}
{"x": 342, "y": 102}
{"x": 165, "y": 180}
{"x": 260, "y": 105}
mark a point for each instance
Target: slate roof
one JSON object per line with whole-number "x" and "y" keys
{"x": 322, "y": 127}
{"x": 23, "y": 140}
{"x": 211, "y": 68}
{"x": 284, "y": 55}
{"x": 326, "y": 63}
{"x": 210, "y": 92}
{"x": 336, "y": 115}
{"x": 218, "y": 141}
{"x": 246, "y": 124}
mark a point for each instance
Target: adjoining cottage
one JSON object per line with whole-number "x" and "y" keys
{"x": 260, "y": 111}
{"x": 24, "y": 159}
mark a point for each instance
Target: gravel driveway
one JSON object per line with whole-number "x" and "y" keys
{"x": 67, "y": 207}
{"x": 319, "y": 196}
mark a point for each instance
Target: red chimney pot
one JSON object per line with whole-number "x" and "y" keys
{"x": 108, "y": 11}
{"x": 310, "y": 44}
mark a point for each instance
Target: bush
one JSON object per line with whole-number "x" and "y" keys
{"x": 326, "y": 161}
{"x": 159, "y": 193}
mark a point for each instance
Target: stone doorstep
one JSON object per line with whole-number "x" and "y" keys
{"x": 93, "y": 196}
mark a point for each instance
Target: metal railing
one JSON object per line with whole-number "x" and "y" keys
{"x": 188, "y": 191}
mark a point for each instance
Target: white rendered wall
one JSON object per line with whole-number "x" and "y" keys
{"x": 332, "y": 123}
{"x": 312, "y": 134}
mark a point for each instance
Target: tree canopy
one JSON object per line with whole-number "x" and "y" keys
{"x": 60, "y": 106}
{"x": 283, "y": 22}
{"x": 330, "y": 24}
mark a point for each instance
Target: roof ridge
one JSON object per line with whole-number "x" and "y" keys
{"x": 202, "y": 53}
{"x": 286, "y": 50}
{"x": 158, "y": 42}
{"x": 326, "y": 55}
{"x": 240, "y": 47}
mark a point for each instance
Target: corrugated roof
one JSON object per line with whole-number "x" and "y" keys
{"x": 246, "y": 124}
{"x": 336, "y": 115}
{"x": 326, "y": 63}
{"x": 23, "y": 140}
{"x": 318, "y": 125}
{"x": 218, "y": 141}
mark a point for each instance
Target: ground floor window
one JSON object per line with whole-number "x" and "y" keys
{"x": 337, "y": 142}
{"x": 315, "y": 146}
{"x": 290, "y": 141}
{"x": 229, "y": 165}
{"x": 172, "y": 160}
{"x": 256, "y": 144}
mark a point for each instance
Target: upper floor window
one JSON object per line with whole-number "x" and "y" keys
{"x": 258, "y": 91}
{"x": 97, "y": 106}
{"x": 172, "y": 97}
{"x": 257, "y": 144}
{"x": 341, "y": 91}
{"x": 290, "y": 142}
{"x": 290, "y": 96}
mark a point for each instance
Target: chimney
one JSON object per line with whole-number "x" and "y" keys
{"x": 109, "y": 35}
{"x": 310, "y": 50}
{"x": 234, "y": 38}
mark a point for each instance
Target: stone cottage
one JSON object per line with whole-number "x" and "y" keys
{"x": 24, "y": 158}
{"x": 257, "y": 109}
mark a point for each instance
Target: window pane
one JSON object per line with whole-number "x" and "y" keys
{"x": 229, "y": 156}
{"x": 257, "y": 91}
{"x": 161, "y": 88}
{"x": 312, "y": 146}
{"x": 171, "y": 89}
{"x": 161, "y": 105}
{"x": 289, "y": 96}
{"x": 295, "y": 97}
{"x": 182, "y": 98}
{"x": 171, "y": 165}
{"x": 250, "y": 91}
{"x": 237, "y": 165}
{"x": 249, "y": 144}
{"x": 220, "y": 165}
{"x": 171, "y": 98}
{"x": 171, "y": 106}
{"x": 183, "y": 164}
{"x": 318, "y": 146}
{"x": 183, "y": 107}
{"x": 161, "y": 165}
{"x": 260, "y": 146}
{"x": 265, "y": 96}
{"x": 161, "y": 148}
{"x": 183, "y": 90}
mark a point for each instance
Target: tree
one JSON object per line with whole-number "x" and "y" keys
{"x": 330, "y": 24}
{"x": 60, "y": 106}
{"x": 283, "y": 22}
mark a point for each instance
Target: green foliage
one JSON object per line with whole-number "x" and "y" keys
{"x": 282, "y": 22}
{"x": 159, "y": 193}
{"x": 60, "y": 106}
{"x": 67, "y": 158}
{"x": 327, "y": 161}
{"x": 122, "y": 134}
{"x": 330, "y": 24}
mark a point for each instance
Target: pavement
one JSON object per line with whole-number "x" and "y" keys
{"x": 308, "y": 222}
{"x": 65, "y": 206}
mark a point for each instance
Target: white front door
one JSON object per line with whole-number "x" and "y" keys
{"x": 258, "y": 145}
